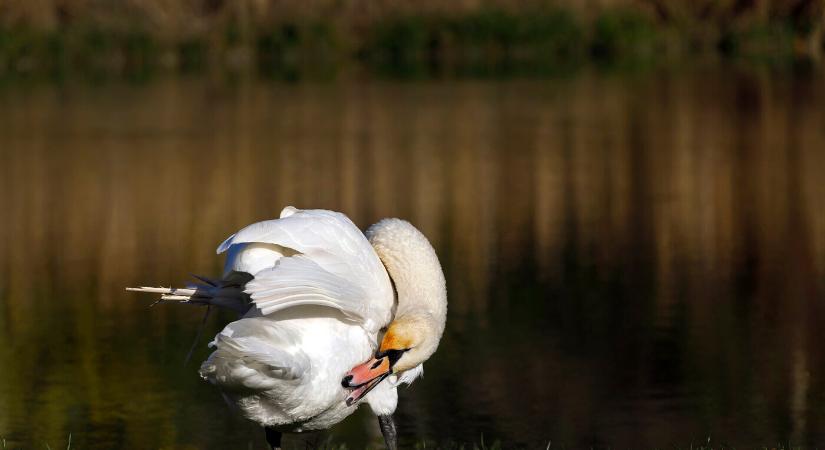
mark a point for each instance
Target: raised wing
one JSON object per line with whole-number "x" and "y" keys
{"x": 332, "y": 264}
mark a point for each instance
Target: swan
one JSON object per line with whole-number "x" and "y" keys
{"x": 329, "y": 318}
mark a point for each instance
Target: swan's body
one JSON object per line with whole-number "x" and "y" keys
{"x": 314, "y": 296}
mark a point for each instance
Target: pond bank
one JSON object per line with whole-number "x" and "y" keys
{"x": 485, "y": 40}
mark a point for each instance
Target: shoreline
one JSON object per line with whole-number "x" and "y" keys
{"x": 541, "y": 41}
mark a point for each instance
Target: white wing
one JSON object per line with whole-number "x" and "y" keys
{"x": 252, "y": 354}
{"x": 322, "y": 258}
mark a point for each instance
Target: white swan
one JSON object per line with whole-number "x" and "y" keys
{"x": 315, "y": 295}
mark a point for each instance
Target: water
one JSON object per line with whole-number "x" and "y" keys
{"x": 633, "y": 260}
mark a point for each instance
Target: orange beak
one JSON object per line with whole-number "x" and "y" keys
{"x": 366, "y": 376}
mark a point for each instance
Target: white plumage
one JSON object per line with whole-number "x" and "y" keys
{"x": 314, "y": 295}
{"x": 320, "y": 296}
{"x": 316, "y": 257}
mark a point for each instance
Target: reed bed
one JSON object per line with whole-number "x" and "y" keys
{"x": 140, "y": 36}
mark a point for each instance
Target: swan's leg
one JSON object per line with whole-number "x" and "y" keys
{"x": 388, "y": 430}
{"x": 273, "y": 438}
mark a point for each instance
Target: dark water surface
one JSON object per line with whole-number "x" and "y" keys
{"x": 633, "y": 261}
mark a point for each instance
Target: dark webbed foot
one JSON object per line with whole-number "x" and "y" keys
{"x": 273, "y": 438}
{"x": 388, "y": 430}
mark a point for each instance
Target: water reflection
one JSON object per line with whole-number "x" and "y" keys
{"x": 632, "y": 261}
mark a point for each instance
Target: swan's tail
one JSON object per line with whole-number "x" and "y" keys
{"x": 227, "y": 292}
{"x": 168, "y": 294}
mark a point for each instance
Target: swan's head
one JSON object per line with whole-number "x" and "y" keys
{"x": 413, "y": 336}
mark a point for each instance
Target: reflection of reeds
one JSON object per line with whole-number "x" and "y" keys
{"x": 616, "y": 204}
{"x": 501, "y": 175}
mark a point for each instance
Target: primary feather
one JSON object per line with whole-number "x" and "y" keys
{"x": 317, "y": 257}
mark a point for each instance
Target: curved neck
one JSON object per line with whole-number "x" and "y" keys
{"x": 413, "y": 267}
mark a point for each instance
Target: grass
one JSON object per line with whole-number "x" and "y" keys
{"x": 484, "y": 40}
{"x": 706, "y": 444}
{"x": 68, "y": 446}
{"x": 625, "y": 34}
{"x": 762, "y": 41}
{"x": 88, "y": 49}
{"x": 488, "y": 40}
{"x": 48, "y": 447}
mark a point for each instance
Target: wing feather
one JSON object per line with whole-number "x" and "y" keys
{"x": 330, "y": 263}
{"x": 298, "y": 280}
{"x": 251, "y": 355}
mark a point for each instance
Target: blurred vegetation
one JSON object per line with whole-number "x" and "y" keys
{"x": 139, "y": 36}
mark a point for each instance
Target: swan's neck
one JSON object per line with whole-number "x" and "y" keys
{"x": 414, "y": 269}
